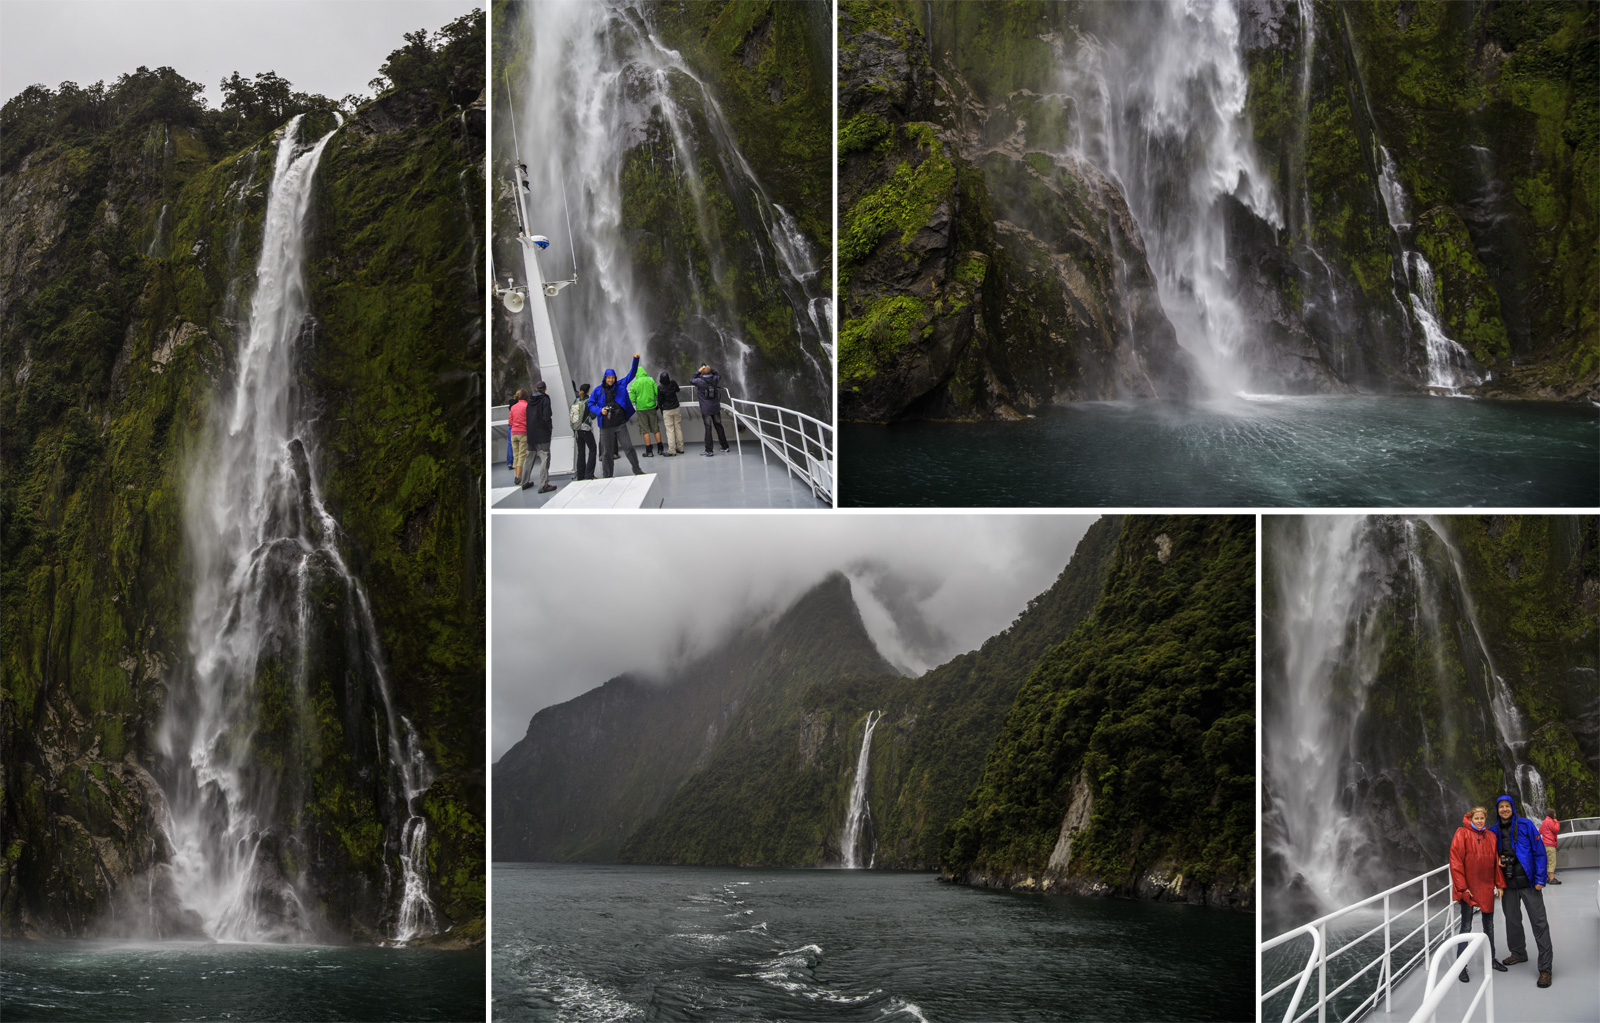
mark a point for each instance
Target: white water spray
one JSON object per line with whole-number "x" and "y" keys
{"x": 260, "y": 537}
{"x": 860, "y": 812}
{"x": 607, "y": 110}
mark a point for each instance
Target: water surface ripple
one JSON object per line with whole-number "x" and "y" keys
{"x": 1331, "y": 452}
{"x": 579, "y": 942}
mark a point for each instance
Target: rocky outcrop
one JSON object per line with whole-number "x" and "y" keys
{"x": 984, "y": 274}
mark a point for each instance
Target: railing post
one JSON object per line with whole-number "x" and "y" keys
{"x": 1388, "y": 987}
{"x": 1322, "y": 975}
{"x": 1427, "y": 935}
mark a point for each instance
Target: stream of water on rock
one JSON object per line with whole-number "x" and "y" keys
{"x": 597, "y": 85}
{"x": 262, "y": 541}
{"x": 859, "y": 814}
{"x": 580, "y": 942}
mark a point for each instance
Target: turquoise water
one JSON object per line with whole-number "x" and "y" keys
{"x": 1329, "y": 452}
{"x": 599, "y": 942}
{"x": 108, "y": 980}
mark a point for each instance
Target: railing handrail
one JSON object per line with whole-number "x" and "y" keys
{"x": 1438, "y": 986}
{"x": 1305, "y": 974}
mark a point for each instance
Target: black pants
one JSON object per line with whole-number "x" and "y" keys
{"x": 710, "y": 419}
{"x": 1515, "y": 900}
{"x": 1466, "y": 926}
{"x": 610, "y": 437}
{"x": 584, "y": 469}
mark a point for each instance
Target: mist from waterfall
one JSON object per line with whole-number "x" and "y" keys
{"x": 1159, "y": 101}
{"x": 606, "y": 113}
{"x": 859, "y": 815}
{"x": 239, "y": 731}
{"x": 1379, "y": 691}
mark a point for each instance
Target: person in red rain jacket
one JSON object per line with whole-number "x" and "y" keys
{"x": 1549, "y": 828}
{"x": 1476, "y": 879}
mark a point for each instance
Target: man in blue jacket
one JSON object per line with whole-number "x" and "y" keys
{"x": 1523, "y": 861}
{"x": 609, "y": 402}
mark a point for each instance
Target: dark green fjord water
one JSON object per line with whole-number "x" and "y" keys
{"x": 1330, "y": 452}
{"x": 126, "y": 980}
{"x": 577, "y": 942}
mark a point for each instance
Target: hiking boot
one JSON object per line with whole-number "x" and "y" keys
{"x": 1544, "y": 978}
{"x": 1499, "y": 967}
{"x": 1464, "y": 977}
{"x": 1553, "y": 881}
{"x": 648, "y": 453}
{"x": 1513, "y": 959}
{"x": 724, "y": 448}
{"x": 548, "y": 488}
{"x": 661, "y": 447}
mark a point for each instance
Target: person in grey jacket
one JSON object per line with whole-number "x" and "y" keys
{"x": 706, "y": 384}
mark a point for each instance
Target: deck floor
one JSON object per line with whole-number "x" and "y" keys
{"x": 689, "y": 480}
{"x": 1574, "y": 992}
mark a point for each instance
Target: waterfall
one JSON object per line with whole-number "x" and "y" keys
{"x": 1380, "y": 695}
{"x": 618, "y": 123}
{"x": 859, "y": 813}
{"x": 1160, "y": 110}
{"x": 239, "y": 732}
{"x": 155, "y": 242}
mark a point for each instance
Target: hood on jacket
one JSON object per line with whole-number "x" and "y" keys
{"x": 1494, "y": 818}
{"x": 1466, "y": 819}
{"x": 610, "y": 373}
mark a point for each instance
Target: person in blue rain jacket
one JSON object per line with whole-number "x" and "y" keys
{"x": 612, "y": 395}
{"x": 1522, "y": 858}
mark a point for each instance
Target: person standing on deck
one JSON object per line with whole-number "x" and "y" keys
{"x": 671, "y": 414}
{"x": 610, "y": 403}
{"x": 706, "y": 384}
{"x": 1521, "y": 852}
{"x": 583, "y": 435}
{"x": 1476, "y": 879}
{"x": 517, "y": 419}
{"x": 1549, "y": 828}
{"x": 643, "y": 394}
{"x": 539, "y": 425}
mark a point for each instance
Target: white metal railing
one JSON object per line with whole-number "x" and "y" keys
{"x": 1439, "y": 982}
{"x": 801, "y": 443}
{"x": 1426, "y": 926}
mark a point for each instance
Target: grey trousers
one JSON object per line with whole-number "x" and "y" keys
{"x": 610, "y": 437}
{"x": 542, "y": 453}
{"x": 1513, "y": 901}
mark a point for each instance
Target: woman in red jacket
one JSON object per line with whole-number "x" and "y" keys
{"x": 1475, "y": 877}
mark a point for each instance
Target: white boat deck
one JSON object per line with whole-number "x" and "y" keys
{"x": 1574, "y": 993}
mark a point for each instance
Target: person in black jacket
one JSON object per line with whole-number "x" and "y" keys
{"x": 671, "y": 414}
{"x": 539, "y": 428}
{"x": 706, "y": 383}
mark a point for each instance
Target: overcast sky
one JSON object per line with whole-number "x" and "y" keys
{"x": 331, "y": 47}
{"x": 930, "y": 587}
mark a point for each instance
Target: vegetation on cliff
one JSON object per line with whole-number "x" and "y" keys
{"x": 130, "y": 218}
{"x": 1148, "y": 709}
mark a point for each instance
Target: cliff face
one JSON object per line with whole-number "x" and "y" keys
{"x": 129, "y": 248}
{"x": 593, "y": 771}
{"x": 1407, "y": 162}
{"x": 983, "y": 272}
{"x": 1126, "y": 763}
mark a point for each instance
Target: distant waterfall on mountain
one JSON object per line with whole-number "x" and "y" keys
{"x": 1159, "y": 108}
{"x": 1384, "y": 713}
{"x": 859, "y": 815}
{"x": 240, "y": 733}
{"x": 616, "y": 129}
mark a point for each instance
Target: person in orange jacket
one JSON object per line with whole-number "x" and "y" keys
{"x": 1476, "y": 879}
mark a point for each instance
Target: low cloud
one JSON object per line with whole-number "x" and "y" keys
{"x": 580, "y": 600}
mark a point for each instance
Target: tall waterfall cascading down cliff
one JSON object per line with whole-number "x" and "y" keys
{"x": 1385, "y": 713}
{"x": 860, "y": 813}
{"x": 262, "y": 543}
{"x": 1159, "y": 108}
{"x": 615, "y": 127}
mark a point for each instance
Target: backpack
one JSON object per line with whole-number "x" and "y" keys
{"x": 580, "y": 413}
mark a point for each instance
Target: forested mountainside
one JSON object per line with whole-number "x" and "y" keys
{"x": 131, "y": 218}
{"x": 1379, "y": 197}
{"x": 1127, "y": 762}
{"x": 795, "y": 745}
{"x": 694, "y": 182}
{"x": 1414, "y": 667}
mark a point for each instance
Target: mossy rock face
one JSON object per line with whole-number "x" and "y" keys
{"x": 984, "y": 275}
{"x": 127, "y": 274}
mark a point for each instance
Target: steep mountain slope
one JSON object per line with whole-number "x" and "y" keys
{"x": 129, "y": 251}
{"x": 1127, "y": 762}
{"x": 590, "y": 770}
